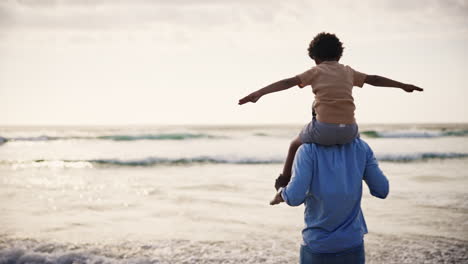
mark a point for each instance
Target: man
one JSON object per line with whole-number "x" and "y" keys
{"x": 328, "y": 180}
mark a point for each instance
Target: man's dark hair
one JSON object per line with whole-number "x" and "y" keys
{"x": 325, "y": 46}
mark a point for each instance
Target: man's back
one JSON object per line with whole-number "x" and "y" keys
{"x": 329, "y": 181}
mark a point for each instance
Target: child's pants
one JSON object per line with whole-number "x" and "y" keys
{"x": 328, "y": 134}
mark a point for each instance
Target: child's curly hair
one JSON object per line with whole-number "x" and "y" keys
{"x": 325, "y": 46}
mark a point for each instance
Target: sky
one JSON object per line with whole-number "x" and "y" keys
{"x": 137, "y": 62}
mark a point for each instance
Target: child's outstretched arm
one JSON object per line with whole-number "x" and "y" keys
{"x": 377, "y": 80}
{"x": 274, "y": 87}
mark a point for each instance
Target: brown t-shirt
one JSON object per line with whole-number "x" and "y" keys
{"x": 332, "y": 83}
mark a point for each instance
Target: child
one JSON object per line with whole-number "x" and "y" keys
{"x": 333, "y": 109}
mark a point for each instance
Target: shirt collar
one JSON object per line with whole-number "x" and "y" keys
{"x": 329, "y": 62}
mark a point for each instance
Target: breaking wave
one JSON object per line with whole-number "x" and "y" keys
{"x": 29, "y": 251}
{"x": 188, "y": 136}
{"x": 19, "y": 255}
{"x": 420, "y": 156}
{"x": 152, "y": 161}
{"x": 144, "y": 162}
{"x": 414, "y": 134}
{"x": 156, "y": 161}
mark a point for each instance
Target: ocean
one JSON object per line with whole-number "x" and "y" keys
{"x": 200, "y": 194}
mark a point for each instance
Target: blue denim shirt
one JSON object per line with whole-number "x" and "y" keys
{"x": 328, "y": 180}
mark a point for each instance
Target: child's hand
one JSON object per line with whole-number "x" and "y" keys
{"x": 253, "y": 97}
{"x": 409, "y": 88}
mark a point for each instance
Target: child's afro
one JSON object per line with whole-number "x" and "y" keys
{"x": 325, "y": 46}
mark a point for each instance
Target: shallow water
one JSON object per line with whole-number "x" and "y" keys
{"x": 200, "y": 195}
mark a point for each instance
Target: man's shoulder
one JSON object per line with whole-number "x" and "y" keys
{"x": 308, "y": 148}
{"x": 356, "y": 144}
{"x": 358, "y": 141}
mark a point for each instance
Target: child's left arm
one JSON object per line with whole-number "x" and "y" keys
{"x": 377, "y": 80}
{"x": 274, "y": 87}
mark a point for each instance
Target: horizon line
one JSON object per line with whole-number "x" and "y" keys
{"x": 218, "y": 124}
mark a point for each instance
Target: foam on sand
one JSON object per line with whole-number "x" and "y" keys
{"x": 379, "y": 249}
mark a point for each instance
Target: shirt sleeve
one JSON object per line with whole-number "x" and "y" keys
{"x": 374, "y": 177}
{"x": 358, "y": 77}
{"x": 307, "y": 77}
{"x": 296, "y": 191}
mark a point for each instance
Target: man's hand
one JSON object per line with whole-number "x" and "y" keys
{"x": 281, "y": 181}
{"x": 277, "y": 199}
{"x": 409, "y": 88}
{"x": 253, "y": 97}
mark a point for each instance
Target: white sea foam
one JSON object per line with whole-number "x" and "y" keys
{"x": 379, "y": 249}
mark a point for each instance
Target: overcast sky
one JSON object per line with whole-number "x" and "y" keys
{"x": 109, "y": 62}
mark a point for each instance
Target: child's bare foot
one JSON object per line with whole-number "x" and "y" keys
{"x": 277, "y": 199}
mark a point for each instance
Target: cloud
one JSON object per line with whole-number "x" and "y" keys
{"x": 105, "y": 14}
{"x": 445, "y": 6}
{"x": 185, "y": 19}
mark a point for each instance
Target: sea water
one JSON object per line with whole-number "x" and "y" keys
{"x": 186, "y": 194}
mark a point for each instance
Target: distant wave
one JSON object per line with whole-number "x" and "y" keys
{"x": 414, "y": 134}
{"x": 117, "y": 137}
{"x": 37, "y": 138}
{"x": 188, "y": 136}
{"x": 155, "y": 161}
{"x": 168, "y": 136}
{"x": 152, "y": 161}
{"x": 420, "y": 156}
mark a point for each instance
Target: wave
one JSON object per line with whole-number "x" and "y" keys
{"x": 117, "y": 137}
{"x": 152, "y": 161}
{"x": 263, "y": 249}
{"x": 156, "y": 161}
{"x": 19, "y": 255}
{"x": 420, "y": 156}
{"x": 414, "y": 134}
{"x": 189, "y": 136}
{"x": 144, "y": 162}
{"x": 30, "y": 251}
{"x": 168, "y": 136}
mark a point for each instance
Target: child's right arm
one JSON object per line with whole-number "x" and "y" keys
{"x": 274, "y": 87}
{"x": 377, "y": 80}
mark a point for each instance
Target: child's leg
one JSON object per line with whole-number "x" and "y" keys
{"x": 295, "y": 144}
{"x": 284, "y": 178}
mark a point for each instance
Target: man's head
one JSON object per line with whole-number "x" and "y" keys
{"x": 325, "y": 47}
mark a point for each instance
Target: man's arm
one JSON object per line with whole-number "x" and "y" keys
{"x": 377, "y": 80}
{"x": 274, "y": 87}
{"x": 374, "y": 177}
{"x": 295, "y": 192}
